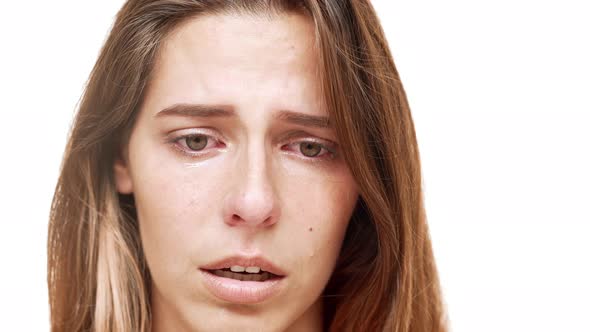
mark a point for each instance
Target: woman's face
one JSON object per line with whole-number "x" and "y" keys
{"x": 232, "y": 164}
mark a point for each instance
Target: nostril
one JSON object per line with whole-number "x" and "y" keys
{"x": 237, "y": 220}
{"x": 268, "y": 221}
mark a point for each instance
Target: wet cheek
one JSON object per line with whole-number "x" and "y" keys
{"x": 174, "y": 202}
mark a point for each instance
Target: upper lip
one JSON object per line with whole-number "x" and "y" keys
{"x": 245, "y": 261}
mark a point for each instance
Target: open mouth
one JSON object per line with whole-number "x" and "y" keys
{"x": 243, "y": 275}
{"x": 243, "y": 279}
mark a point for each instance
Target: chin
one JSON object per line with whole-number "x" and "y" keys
{"x": 234, "y": 319}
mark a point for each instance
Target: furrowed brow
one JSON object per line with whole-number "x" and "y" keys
{"x": 305, "y": 120}
{"x": 209, "y": 111}
{"x": 197, "y": 110}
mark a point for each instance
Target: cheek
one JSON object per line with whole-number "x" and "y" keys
{"x": 175, "y": 205}
{"x": 324, "y": 200}
{"x": 322, "y": 211}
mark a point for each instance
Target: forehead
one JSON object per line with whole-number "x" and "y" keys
{"x": 233, "y": 56}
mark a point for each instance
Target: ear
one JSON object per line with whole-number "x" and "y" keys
{"x": 123, "y": 180}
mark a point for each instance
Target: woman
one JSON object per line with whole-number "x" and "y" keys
{"x": 243, "y": 165}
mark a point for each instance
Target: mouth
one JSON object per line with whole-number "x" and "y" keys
{"x": 244, "y": 268}
{"x": 244, "y": 280}
{"x": 241, "y": 274}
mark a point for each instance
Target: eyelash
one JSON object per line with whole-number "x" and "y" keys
{"x": 329, "y": 153}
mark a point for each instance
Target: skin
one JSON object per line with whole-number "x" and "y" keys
{"x": 252, "y": 189}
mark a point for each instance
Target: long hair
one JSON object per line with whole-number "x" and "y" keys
{"x": 385, "y": 278}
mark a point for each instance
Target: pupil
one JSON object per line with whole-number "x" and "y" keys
{"x": 196, "y": 142}
{"x": 310, "y": 149}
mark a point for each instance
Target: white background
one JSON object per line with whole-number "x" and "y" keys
{"x": 500, "y": 93}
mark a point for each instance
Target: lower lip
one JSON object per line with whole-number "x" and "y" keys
{"x": 243, "y": 292}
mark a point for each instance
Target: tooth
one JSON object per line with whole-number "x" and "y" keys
{"x": 252, "y": 269}
{"x": 237, "y": 268}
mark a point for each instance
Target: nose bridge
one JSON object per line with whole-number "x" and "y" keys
{"x": 252, "y": 200}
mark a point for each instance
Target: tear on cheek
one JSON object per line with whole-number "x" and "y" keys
{"x": 192, "y": 165}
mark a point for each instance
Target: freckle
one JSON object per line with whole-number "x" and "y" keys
{"x": 311, "y": 229}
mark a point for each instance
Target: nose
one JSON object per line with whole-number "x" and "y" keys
{"x": 252, "y": 202}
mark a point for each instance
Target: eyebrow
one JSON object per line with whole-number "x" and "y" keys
{"x": 226, "y": 111}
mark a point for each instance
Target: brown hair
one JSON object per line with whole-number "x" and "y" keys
{"x": 385, "y": 278}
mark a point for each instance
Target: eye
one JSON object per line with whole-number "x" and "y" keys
{"x": 313, "y": 151}
{"x": 310, "y": 149}
{"x": 196, "y": 142}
